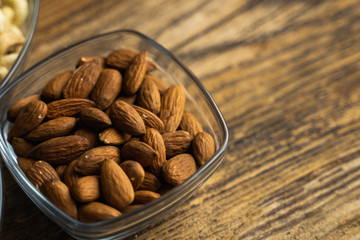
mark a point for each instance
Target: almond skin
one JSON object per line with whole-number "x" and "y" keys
{"x": 53, "y": 89}
{"x": 116, "y": 186}
{"x": 29, "y": 117}
{"x": 18, "y": 105}
{"x": 94, "y": 118}
{"x": 134, "y": 171}
{"x": 97, "y": 212}
{"x": 190, "y": 124}
{"x": 176, "y": 142}
{"x": 135, "y": 74}
{"x": 60, "y": 170}
{"x": 90, "y": 134}
{"x": 148, "y": 96}
{"x": 25, "y": 163}
{"x": 126, "y": 119}
{"x": 54, "y": 128}
{"x": 107, "y": 88}
{"x": 86, "y": 189}
{"x": 131, "y": 208}
{"x": 150, "y": 183}
{"x": 111, "y": 136}
{"x": 138, "y": 151}
{"x": 83, "y": 80}
{"x": 172, "y": 107}
{"x": 144, "y": 196}
{"x": 40, "y": 172}
{"x": 203, "y": 147}
{"x": 70, "y": 176}
{"x": 179, "y": 168}
{"x": 86, "y": 59}
{"x": 21, "y": 146}
{"x": 60, "y": 150}
{"x": 122, "y": 58}
{"x": 58, "y": 193}
{"x": 161, "y": 85}
{"x": 149, "y": 118}
{"x": 67, "y": 107}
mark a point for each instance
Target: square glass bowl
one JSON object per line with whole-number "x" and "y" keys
{"x": 199, "y": 102}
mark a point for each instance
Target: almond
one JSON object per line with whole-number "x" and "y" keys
{"x": 107, "y": 88}
{"x": 176, "y": 142}
{"x": 203, "y": 147}
{"x": 179, "y": 168}
{"x": 90, "y": 162}
{"x": 126, "y": 119}
{"x": 172, "y": 107}
{"x": 138, "y": 151}
{"x": 90, "y": 134}
{"x": 97, "y": 212}
{"x": 150, "y": 182}
{"x": 39, "y": 172}
{"x": 83, "y": 80}
{"x": 116, "y": 186}
{"x": 25, "y": 163}
{"x": 94, "y": 118}
{"x": 161, "y": 85}
{"x": 29, "y": 117}
{"x": 21, "y": 146}
{"x": 122, "y": 58}
{"x": 190, "y": 124}
{"x": 58, "y": 193}
{"x": 70, "y": 176}
{"x": 86, "y": 59}
{"x": 148, "y": 96}
{"x": 67, "y": 107}
{"x": 54, "y": 128}
{"x": 18, "y": 105}
{"x": 86, "y": 189}
{"x": 144, "y": 196}
{"x": 111, "y": 136}
{"x": 149, "y": 118}
{"x": 135, "y": 74}
{"x": 60, "y": 170}
{"x": 131, "y": 208}
{"x": 60, "y": 150}
{"x": 53, "y": 89}
{"x": 134, "y": 171}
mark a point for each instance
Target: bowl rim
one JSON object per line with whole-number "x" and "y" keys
{"x": 141, "y": 213}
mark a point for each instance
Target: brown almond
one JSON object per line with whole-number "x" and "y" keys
{"x": 53, "y": 89}
{"x": 135, "y": 74}
{"x": 150, "y": 119}
{"x": 67, "y": 107}
{"x": 21, "y": 146}
{"x": 134, "y": 171}
{"x": 131, "y": 208}
{"x": 60, "y": 150}
{"x": 176, "y": 142}
{"x": 128, "y": 99}
{"x": 18, "y": 105}
{"x": 25, "y": 163}
{"x": 58, "y": 193}
{"x": 94, "y": 118}
{"x": 148, "y": 96}
{"x": 116, "y": 186}
{"x": 86, "y": 189}
{"x": 90, "y": 134}
{"x": 70, "y": 176}
{"x": 107, "y": 88}
{"x": 122, "y": 58}
{"x": 83, "y": 80}
{"x": 144, "y": 196}
{"x": 150, "y": 182}
{"x": 39, "y": 172}
{"x": 126, "y": 119}
{"x": 54, "y": 128}
{"x": 138, "y": 151}
{"x": 154, "y": 139}
{"x": 29, "y": 117}
{"x": 60, "y": 170}
{"x": 161, "y": 85}
{"x": 89, "y": 162}
{"x": 172, "y": 107}
{"x": 190, "y": 124}
{"x": 179, "y": 168}
{"x": 97, "y": 212}
{"x": 203, "y": 147}
{"x": 111, "y": 136}
{"x": 86, "y": 59}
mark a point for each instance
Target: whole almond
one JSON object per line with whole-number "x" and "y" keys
{"x": 154, "y": 139}
{"x": 126, "y": 119}
{"x": 90, "y": 134}
{"x": 60, "y": 150}
{"x": 172, "y": 107}
{"x": 144, "y": 196}
{"x": 111, "y": 136}
{"x": 86, "y": 59}
{"x": 70, "y": 176}
{"x": 190, "y": 124}
{"x": 176, "y": 142}
{"x": 161, "y": 85}
{"x": 134, "y": 171}
{"x": 116, "y": 186}
{"x": 89, "y": 163}
{"x": 122, "y": 58}
{"x": 135, "y": 74}
{"x": 54, "y": 128}
{"x": 67, "y": 107}
{"x": 21, "y": 146}
{"x": 97, "y": 212}
{"x": 138, "y": 151}
{"x": 148, "y": 96}
{"x": 179, "y": 168}
{"x": 18, "y": 105}
{"x": 83, "y": 80}
{"x": 107, "y": 88}
{"x": 58, "y": 193}
{"x": 86, "y": 189}
{"x": 150, "y": 182}
{"x": 53, "y": 89}
{"x": 29, "y": 117}
{"x": 39, "y": 172}
{"x": 25, "y": 163}
{"x": 60, "y": 170}
{"x": 150, "y": 119}
{"x": 203, "y": 147}
{"x": 94, "y": 118}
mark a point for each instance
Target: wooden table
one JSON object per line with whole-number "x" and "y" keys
{"x": 286, "y": 76}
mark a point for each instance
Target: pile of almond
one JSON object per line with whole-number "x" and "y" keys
{"x": 108, "y": 137}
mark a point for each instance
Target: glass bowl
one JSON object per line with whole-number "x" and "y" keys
{"x": 199, "y": 102}
{"x": 28, "y": 29}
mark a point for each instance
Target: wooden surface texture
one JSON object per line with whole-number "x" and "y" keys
{"x": 286, "y": 76}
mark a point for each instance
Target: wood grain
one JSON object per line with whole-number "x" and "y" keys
{"x": 286, "y": 76}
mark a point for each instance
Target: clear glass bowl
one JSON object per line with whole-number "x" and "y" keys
{"x": 199, "y": 102}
